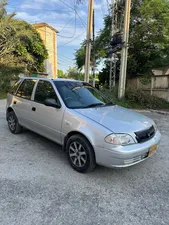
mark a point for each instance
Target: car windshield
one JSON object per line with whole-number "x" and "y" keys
{"x": 80, "y": 95}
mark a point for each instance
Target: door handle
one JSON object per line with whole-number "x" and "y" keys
{"x": 33, "y": 109}
{"x": 14, "y": 102}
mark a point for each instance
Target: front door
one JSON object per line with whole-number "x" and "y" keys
{"x": 47, "y": 120}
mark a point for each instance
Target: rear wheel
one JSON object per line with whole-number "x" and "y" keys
{"x": 80, "y": 154}
{"x": 13, "y": 123}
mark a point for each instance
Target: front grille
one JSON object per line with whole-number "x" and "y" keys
{"x": 135, "y": 159}
{"x": 145, "y": 135}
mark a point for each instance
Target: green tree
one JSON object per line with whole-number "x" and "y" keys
{"x": 74, "y": 73}
{"x": 149, "y": 38}
{"x": 6, "y": 31}
{"x": 61, "y": 74}
{"x": 21, "y": 48}
{"x": 80, "y": 56}
{"x": 29, "y": 47}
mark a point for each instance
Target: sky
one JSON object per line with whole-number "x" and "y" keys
{"x": 61, "y": 15}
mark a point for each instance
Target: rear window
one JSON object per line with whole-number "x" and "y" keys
{"x": 26, "y": 88}
{"x": 14, "y": 88}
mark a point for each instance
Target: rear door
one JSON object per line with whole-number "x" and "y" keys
{"x": 47, "y": 120}
{"x": 22, "y": 102}
{"x": 12, "y": 93}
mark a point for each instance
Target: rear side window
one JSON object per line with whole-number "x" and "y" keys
{"x": 14, "y": 88}
{"x": 45, "y": 90}
{"x": 26, "y": 88}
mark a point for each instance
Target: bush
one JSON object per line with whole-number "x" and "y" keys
{"x": 145, "y": 100}
{"x": 4, "y": 83}
{"x": 137, "y": 99}
{"x": 2, "y": 95}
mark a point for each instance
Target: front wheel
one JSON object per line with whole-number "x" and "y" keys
{"x": 13, "y": 123}
{"x": 80, "y": 154}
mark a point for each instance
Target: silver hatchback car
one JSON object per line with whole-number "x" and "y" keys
{"x": 91, "y": 129}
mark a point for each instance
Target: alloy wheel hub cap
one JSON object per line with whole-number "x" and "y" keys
{"x": 77, "y": 154}
{"x": 12, "y": 122}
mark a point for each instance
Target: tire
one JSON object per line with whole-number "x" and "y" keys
{"x": 80, "y": 154}
{"x": 13, "y": 123}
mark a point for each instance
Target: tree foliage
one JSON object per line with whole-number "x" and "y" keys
{"x": 74, "y": 73}
{"x": 80, "y": 56}
{"x": 61, "y": 74}
{"x": 29, "y": 47}
{"x": 148, "y": 42}
{"x": 149, "y": 36}
{"x": 6, "y": 31}
{"x": 21, "y": 48}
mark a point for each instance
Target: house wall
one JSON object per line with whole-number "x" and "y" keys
{"x": 42, "y": 32}
{"x": 51, "y": 47}
{"x": 159, "y": 86}
{"x": 49, "y": 38}
{"x": 167, "y": 72}
{"x": 136, "y": 83}
{"x": 157, "y": 72}
{"x": 132, "y": 82}
{"x": 164, "y": 94}
{"x": 161, "y": 82}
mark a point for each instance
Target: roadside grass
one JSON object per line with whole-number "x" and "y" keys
{"x": 137, "y": 99}
{"x": 2, "y": 95}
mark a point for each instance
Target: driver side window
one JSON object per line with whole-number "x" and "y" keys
{"x": 45, "y": 90}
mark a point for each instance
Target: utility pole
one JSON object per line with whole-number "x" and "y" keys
{"x": 94, "y": 61}
{"x": 88, "y": 40}
{"x": 114, "y": 29}
{"x": 114, "y": 70}
{"x": 123, "y": 68}
{"x": 112, "y": 33}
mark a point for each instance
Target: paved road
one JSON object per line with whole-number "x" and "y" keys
{"x": 38, "y": 187}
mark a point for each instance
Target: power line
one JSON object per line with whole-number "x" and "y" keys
{"x": 54, "y": 10}
{"x": 101, "y": 6}
{"x": 108, "y": 7}
{"x": 66, "y": 58}
{"x": 71, "y": 40}
{"x": 84, "y": 24}
{"x": 54, "y": 24}
{"x": 68, "y": 22}
{"x": 65, "y": 26}
{"x": 64, "y": 61}
{"x": 76, "y": 12}
{"x": 77, "y": 37}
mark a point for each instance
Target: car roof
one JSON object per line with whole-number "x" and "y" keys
{"x": 50, "y": 79}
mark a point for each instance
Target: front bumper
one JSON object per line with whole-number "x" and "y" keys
{"x": 124, "y": 156}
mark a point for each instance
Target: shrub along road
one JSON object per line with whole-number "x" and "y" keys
{"x": 38, "y": 187}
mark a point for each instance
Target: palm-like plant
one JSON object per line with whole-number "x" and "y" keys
{"x": 7, "y": 33}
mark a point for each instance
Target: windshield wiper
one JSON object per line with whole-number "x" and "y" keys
{"x": 93, "y": 105}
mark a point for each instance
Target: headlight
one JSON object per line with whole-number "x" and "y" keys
{"x": 119, "y": 139}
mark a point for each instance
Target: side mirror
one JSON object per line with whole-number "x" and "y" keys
{"x": 52, "y": 103}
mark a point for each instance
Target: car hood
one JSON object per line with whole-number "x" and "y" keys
{"x": 117, "y": 119}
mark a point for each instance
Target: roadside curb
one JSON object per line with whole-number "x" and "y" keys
{"x": 141, "y": 110}
{"x": 152, "y": 110}
{"x": 160, "y": 112}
